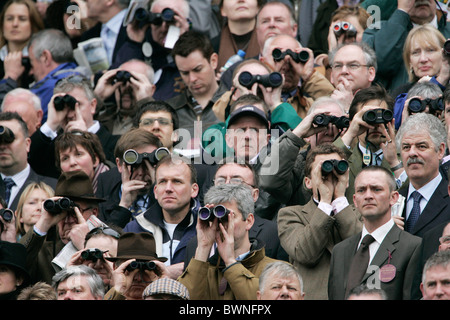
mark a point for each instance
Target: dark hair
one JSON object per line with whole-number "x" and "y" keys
{"x": 390, "y": 177}
{"x": 249, "y": 99}
{"x": 190, "y": 41}
{"x": 325, "y": 148}
{"x": 173, "y": 160}
{"x": 133, "y": 139}
{"x": 10, "y": 116}
{"x": 155, "y": 106}
{"x": 70, "y": 140}
{"x": 244, "y": 164}
{"x": 374, "y": 92}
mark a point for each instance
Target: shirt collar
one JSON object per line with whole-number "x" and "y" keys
{"x": 427, "y": 190}
{"x": 20, "y": 177}
{"x": 115, "y": 23}
{"x": 380, "y": 233}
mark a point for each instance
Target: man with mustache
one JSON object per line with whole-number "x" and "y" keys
{"x": 369, "y": 144}
{"x": 422, "y": 142}
{"x": 389, "y": 38}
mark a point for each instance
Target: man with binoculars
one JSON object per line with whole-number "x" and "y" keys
{"x": 309, "y": 232}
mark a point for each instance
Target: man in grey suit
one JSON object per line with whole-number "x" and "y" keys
{"x": 393, "y": 254}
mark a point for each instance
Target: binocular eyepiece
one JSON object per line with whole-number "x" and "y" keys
{"x": 6, "y": 135}
{"x": 322, "y": 120}
{"x": 447, "y": 48}
{"x": 344, "y": 27}
{"x": 378, "y": 116}
{"x": 67, "y": 100}
{"x": 271, "y": 80}
{"x": 6, "y": 214}
{"x": 142, "y": 265}
{"x": 92, "y": 254}
{"x": 55, "y": 207}
{"x": 340, "y": 166}
{"x": 144, "y": 17}
{"x": 417, "y": 105}
{"x": 133, "y": 158}
{"x": 122, "y": 76}
{"x": 219, "y": 211}
{"x": 298, "y": 57}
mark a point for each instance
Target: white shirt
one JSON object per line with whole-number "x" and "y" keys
{"x": 379, "y": 235}
{"x": 110, "y": 37}
{"x": 19, "y": 179}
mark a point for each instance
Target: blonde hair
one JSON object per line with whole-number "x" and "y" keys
{"x": 425, "y": 34}
{"x": 24, "y": 196}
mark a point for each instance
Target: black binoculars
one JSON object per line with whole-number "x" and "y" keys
{"x": 143, "y": 17}
{"x": 142, "y": 265}
{"x": 344, "y": 27}
{"x": 6, "y": 135}
{"x": 322, "y": 120}
{"x": 26, "y": 63}
{"x": 301, "y": 56}
{"x": 122, "y": 76}
{"x": 378, "y": 116}
{"x": 219, "y": 211}
{"x": 92, "y": 254}
{"x": 271, "y": 80}
{"x": 340, "y": 166}
{"x": 418, "y": 105}
{"x": 447, "y": 48}
{"x": 61, "y": 101}
{"x": 55, "y": 207}
{"x": 133, "y": 158}
{"x": 6, "y": 214}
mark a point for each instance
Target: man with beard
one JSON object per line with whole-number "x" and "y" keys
{"x": 369, "y": 144}
{"x": 67, "y": 117}
{"x": 173, "y": 218}
{"x": 63, "y": 230}
{"x": 390, "y": 36}
{"x": 313, "y": 84}
{"x": 128, "y": 188}
{"x": 117, "y": 115}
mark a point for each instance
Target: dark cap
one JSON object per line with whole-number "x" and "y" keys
{"x": 248, "y": 110}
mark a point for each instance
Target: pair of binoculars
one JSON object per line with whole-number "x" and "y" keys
{"x": 6, "y": 135}
{"x": 92, "y": 254}
{"x": 219, "y": 211}
{"x": 141, "y": 265}
{"x": 133, "y": 158}
{"x": 298, "y": 57}
{"x": 418, "y": 105}
{"x": 271, "y": 80}
{"x": 60, "y": 102}
{"x": 344, "y": 27}
{"x": 322, "y": 120}
{"x": 55, "y": 207}
{"x": 340, "y": 166}
{"x": 447, "y": 48}
{"x": 6, "y": 214}
{"x": 122, "y": 76}
{"x": 143, "y": 17}
{"x": 378, "y": 116}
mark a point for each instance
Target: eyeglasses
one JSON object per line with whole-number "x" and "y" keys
{"x": 103, "y": 230}
{"x": 150, "y": 121}
{"x": 350, "y": 66}
{"x": 221, "y": 180}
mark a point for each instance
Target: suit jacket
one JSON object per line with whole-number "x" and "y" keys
{"x": 437, "y": 210}
{"x": 32, "y": 177}
{"x": 308, "y": 234}
{"x": 404, "y": 249}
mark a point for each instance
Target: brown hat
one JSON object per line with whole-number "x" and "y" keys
{"x": 139, "y": 246}
{"x": 75, "y": 185}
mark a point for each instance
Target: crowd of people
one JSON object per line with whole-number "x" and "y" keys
{"x": 314, "y": 168}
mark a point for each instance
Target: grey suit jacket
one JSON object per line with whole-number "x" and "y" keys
{"x": 404, "y": 250}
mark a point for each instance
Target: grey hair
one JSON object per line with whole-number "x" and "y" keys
{"x": 423, "y": 122}
{"x": 95, "y": 282}
{"x": 369, "y": 53}
{"x": 425, "y": 90}
{"x": 269, "y": 41}
{"x": 149, "y": 71}
{"x": 26, "y": 94}
{"x": 66, "y": 85}
{"x": 283, "y": 270}
{"x": 292, "y": 19}
{"x": 229, "y": 193}
{"x": 54, "y": 41}
{"x": 438, "y": 259}
{"x": 326, "y": 100}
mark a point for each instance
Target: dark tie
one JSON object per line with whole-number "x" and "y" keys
{"x": 9, "y": 183}
{"x": 415, "y": 211}
{"x": 359, "y": 264}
